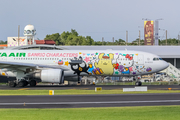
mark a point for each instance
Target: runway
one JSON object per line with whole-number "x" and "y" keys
{"x": 89, "y": 87}
{"x": 77, "y": 101}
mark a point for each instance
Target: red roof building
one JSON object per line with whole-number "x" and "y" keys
{"x": 47, "y": 42}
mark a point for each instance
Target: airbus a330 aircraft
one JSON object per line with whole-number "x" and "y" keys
{"x": 56, "y": 65}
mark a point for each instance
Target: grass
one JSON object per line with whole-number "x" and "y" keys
{"x": 78, "y": 92}
{"x": 110, "y": 113}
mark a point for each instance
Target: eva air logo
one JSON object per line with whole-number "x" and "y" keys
{"x": 12, "y": 54}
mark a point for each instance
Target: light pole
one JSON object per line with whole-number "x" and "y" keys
{"x": 140, "y": 35}
{"x": 156, "y": 30}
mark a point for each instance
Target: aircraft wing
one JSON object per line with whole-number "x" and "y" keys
{"x": 17, "y": 65}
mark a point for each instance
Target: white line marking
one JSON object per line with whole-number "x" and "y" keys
{"x": 105, "y": 102}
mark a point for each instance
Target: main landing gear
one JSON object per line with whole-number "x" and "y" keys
{"x": 22, "y": 83}
{"x": 12, "y": 84}
{"x": 32, "y": 83}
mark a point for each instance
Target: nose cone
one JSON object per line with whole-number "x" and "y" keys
{"x": 167, "y": 64}
{"x": 164, "y": 65}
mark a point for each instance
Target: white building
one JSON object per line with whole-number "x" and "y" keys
{"x": 29, "y": 34}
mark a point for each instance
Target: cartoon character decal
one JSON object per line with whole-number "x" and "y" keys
{"x": 124, "y": 63}
{"x": 78, "y": 66}
{"x": 104, "y": 65}
{"x": 60, "y": 62}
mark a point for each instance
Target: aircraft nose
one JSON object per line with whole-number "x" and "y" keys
{"x": 165, "y": 64}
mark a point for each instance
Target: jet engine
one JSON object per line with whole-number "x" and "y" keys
{"x": 51, "y": 75}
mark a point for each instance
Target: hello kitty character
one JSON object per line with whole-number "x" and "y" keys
{"x": 124, "y": 63}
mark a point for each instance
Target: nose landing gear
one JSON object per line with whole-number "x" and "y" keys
{"x": 138, "y": 83}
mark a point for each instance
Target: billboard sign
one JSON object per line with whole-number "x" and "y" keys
{"x": 148, "y": 32}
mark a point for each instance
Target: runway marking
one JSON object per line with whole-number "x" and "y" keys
{"x": 105, "y": 102}
{"x": 23, "y": 88}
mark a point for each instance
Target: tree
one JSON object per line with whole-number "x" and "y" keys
{"x": 3, "y": 42}
{"x": 120, "y": 42}
{"x": 89, "y": 40}
{"x": 136, "y": 42}
{"x": 170, "y": 41}
{"x": 56, "y": 37}
{"x": 70, "y": 38}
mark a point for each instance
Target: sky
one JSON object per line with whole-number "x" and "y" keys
{"x": 95, "y": 18}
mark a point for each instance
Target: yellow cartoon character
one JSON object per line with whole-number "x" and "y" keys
{"x": 105, "y": 64}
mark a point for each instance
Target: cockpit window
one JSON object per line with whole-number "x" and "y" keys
{"x": 155, "y": 59}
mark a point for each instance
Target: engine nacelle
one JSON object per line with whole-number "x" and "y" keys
{"x": 52, "y": 76}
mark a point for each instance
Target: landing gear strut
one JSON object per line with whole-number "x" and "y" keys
{"x": 79, "y": 81}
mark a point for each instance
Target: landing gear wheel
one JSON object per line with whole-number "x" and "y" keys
{"x": 12, "y": 84}
{"x": 25, "y": 82}
{"x": 32, "y": 83}
{"x": 21, "y": 84}
{"x": 138, "y": 83}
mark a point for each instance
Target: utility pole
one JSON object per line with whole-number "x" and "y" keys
{"x": 113, "y": 39}
{"x": 18, "y": 33}
{"x": 166, "y": 37}
{"x": 139, "y": 38}
{"x": 126, "y": 37}
{"x": 102, "y": 40}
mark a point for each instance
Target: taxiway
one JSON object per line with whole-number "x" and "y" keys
{"x": 76, "y": 101}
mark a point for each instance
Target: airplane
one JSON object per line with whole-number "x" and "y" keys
{"x": 53, "y": 66}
